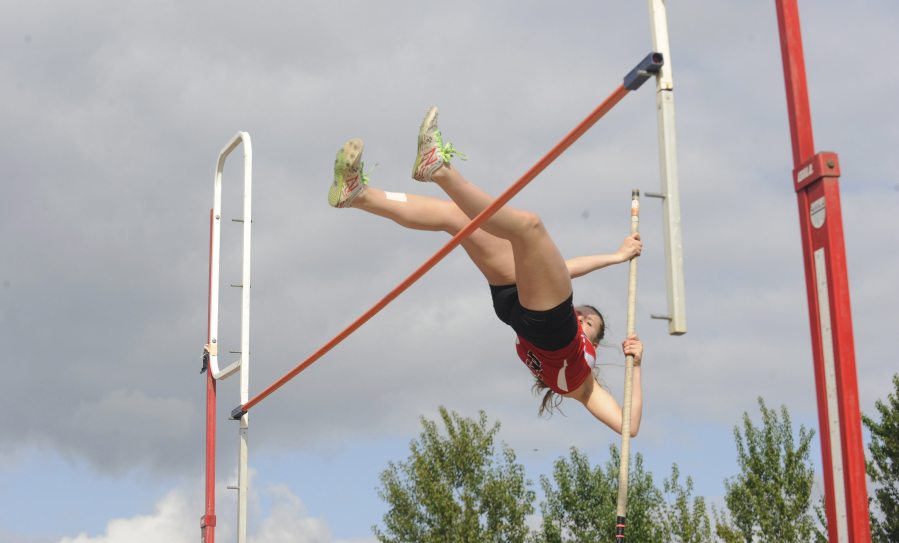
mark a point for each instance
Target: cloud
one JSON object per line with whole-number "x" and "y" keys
{"x": 174, "y": 520}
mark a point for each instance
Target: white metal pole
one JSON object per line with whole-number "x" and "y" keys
{"x": 240, "y": 137}
{"x": 674, "y": 256}
{"x": 243, "y": 363}
{"x": 245, "y": 341}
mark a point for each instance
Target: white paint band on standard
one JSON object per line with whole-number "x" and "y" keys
{"x": 830, "y": 386}
{"x": 398, "y": 196}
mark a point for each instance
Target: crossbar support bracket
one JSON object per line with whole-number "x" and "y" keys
{"x": 237, "y": 413}
{"x": 647, "y": 68}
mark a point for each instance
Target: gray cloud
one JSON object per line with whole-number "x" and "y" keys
{"x": 114, "y": 115}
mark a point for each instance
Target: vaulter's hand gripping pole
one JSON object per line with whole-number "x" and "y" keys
{"x": 628, "y": 378}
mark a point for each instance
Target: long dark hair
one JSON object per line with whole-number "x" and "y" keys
{"x": 551, "y": 400}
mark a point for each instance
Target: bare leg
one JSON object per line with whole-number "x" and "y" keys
{"x": 542, "y": 276}
{"x": 492, "y": 255}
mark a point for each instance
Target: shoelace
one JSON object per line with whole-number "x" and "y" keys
{"x": 364, "y": 176}
{"x": 447, "y": 151}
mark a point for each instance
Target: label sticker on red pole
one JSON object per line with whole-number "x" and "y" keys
{"x": 818, "y": 212}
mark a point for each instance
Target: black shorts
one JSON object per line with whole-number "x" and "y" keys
{"x": 549, "y": 330}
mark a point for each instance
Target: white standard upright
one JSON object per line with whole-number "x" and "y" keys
{"x": 674, "y": 255}
{"x": 243, "y": 362}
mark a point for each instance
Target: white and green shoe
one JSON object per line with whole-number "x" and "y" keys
{"x": 348, "y": 177}
{"x": 432, "y": 153}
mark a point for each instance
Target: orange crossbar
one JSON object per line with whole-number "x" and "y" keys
{"x": 503, "y": 199}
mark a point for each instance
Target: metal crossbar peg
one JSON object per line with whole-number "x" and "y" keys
{"x": 655, "y": 195}
{"x": 647, "y": 68}
{"x": 237, "y": 413}
{"x": 661, "y": 317}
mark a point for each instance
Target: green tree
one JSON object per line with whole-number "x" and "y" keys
{"x": 821, "y": 513}
{"x": 582, "y": 504}
{"x": 452, "y": 488}
{"x": 683, "y": 524}
{"x": 883, "y": 467}
{"x": 770, "y": 499}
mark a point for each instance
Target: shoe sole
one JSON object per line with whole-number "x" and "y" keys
{"x": 349, "y": 154}
{"x": 429, "y": 118}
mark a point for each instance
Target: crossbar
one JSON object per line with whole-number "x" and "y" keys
{"x": 502, "y": 200}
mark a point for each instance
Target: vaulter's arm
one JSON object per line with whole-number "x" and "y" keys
{"x": 583, "y": 265}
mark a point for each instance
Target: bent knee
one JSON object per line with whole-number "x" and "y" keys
{"x": 530, "y": 223}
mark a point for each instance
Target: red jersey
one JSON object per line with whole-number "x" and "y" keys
{"x": 563, "y": 370}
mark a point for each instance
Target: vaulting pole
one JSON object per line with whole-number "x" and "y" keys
{"x": 628, "y": 377}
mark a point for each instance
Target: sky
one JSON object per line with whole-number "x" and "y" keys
{"x": 114, "y": 114}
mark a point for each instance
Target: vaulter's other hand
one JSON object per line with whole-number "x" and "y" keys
{"x": 631, "y": 247}
{"x": 633, "y": 346}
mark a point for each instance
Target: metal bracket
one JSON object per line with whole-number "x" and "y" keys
{"x": 824, "y": 164}
{"x": 647, "y": 68}
{"x": 237, "y": 412}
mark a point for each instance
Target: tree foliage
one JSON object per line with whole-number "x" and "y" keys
{"x": 770, "y": 499}
{"x": 683, "y": 523}
{"x": 883, "y": 467}
{"x": 452, "y": 488}
{"x": 821, "y": 513}
{"x": 581, "y": 505}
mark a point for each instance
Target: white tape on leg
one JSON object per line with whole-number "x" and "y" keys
{"x": 398, "y": 196}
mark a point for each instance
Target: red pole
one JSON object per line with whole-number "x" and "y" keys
{"x": 503, "y": 199}
{"x": 207, "y": 521}
{"x": 816, "y": 180}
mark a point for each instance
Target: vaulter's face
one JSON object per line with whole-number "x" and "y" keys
{"x": 590, "y": 322}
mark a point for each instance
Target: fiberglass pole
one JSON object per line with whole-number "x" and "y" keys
{"x": 628, "y": 377}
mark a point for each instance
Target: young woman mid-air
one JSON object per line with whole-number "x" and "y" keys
{"x": 529, "y": 279}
